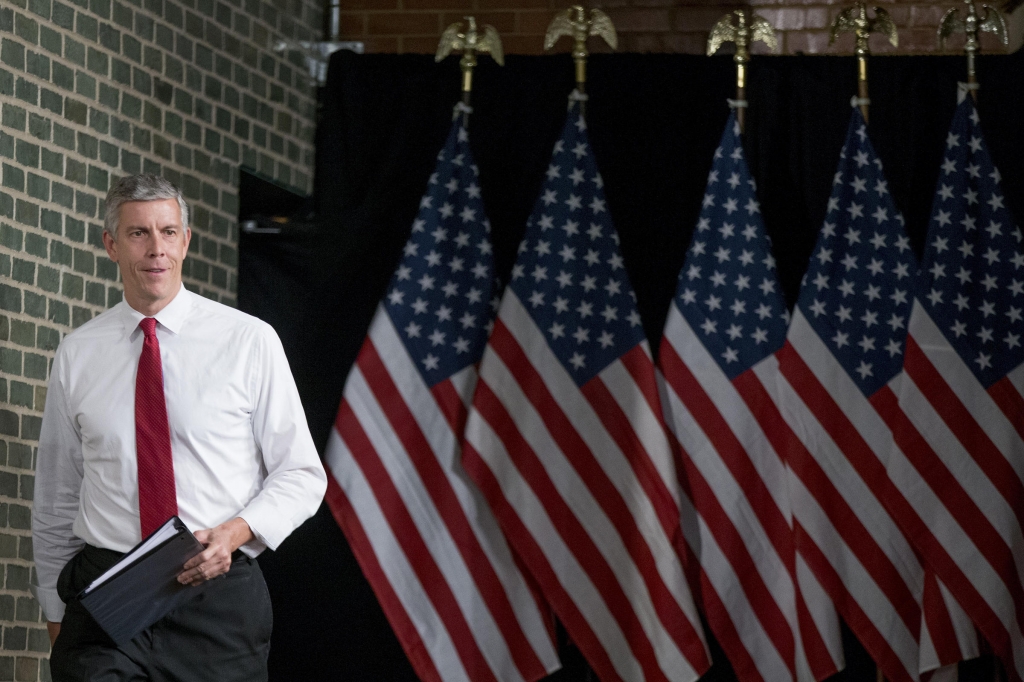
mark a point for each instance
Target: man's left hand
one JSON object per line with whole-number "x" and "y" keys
{"x": 215, "y": 560}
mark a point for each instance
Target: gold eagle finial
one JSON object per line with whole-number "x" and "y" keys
{"x": 991, "y": 21}
{"x": 470, "y": 42}
{"x": 725, "y": 31}
{"x": 573, "y": 22}
{"x": 855, "y": 19}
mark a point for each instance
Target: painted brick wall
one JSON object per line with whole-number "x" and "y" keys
{"x": 91, "y": 90}
{"x": 643, "y": 25}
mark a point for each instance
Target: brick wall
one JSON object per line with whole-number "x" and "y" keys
{"x": 643, "y": 25}
{"x": 91, "y": 90}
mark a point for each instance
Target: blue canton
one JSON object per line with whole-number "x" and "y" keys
{"x": 728, "y": 289}
{"x": 857, "y": 290}
{"x": 440, "y": 297}
{"x": 569, "y": 274}
{"x": 971, "y": 280}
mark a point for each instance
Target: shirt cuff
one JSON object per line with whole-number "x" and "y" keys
{"x": 53, "y": 607}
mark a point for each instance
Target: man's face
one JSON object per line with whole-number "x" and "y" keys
{"x": 149, "y": 248}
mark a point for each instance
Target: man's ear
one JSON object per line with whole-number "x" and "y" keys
{"x": 110, "y": 244}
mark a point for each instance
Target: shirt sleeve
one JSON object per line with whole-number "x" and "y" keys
{"x": 58, "y": 484}
{"x": 295, "y": 482}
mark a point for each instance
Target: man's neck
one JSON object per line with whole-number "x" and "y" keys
{"x": 149, "y": 308}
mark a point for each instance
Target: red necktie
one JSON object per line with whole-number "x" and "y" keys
{"x": 158, "y": 500}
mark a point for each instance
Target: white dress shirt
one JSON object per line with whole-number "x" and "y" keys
{"x": 239, "y": 439}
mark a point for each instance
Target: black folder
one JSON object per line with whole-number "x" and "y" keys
{"x": 142, "y": 587}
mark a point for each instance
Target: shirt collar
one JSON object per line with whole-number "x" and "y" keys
{"x": 172, "y": 316}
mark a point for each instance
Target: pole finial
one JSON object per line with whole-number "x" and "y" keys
{"x": 743, "y": 33}
{"x": 573, "y": 22}
{"x": 469, "y": 42}
{"x": 972, "y": 24}
{"x": 855, "y": 20}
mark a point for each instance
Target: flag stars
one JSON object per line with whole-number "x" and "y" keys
{"x": 437, "y": 338}
{"x": 734, "y": 332}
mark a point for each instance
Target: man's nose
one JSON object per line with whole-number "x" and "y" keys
{"x": 155, "y": 245}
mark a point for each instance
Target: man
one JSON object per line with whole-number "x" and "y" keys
{"x": 167, "y": 404}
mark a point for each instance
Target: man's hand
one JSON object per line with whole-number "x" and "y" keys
{"x": 215, "y": 560}
{"x": 53, "y": 629}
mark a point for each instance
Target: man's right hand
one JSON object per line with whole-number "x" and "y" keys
{"x": 53, "y": 629}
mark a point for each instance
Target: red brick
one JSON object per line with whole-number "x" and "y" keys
{"x": 464, "y": 5}
{"x": 991, "y": 45}
{"x": 378, "y": 44}
{"x": 912, "y": 41}
{"x": 807, "y": 42}
{"x": 535, "y": 23}
{"x": 524, "y": 44}
{"x": 654, "y": 3}
{"x": 503, "y": 22}
{"x": 418, "y": 44}
{"x": 685, "y": 43}
{"x": 817, "y": 17}
{"x": 690, "y": 19}
{"x": 403, "y": 23}
{"x": 642, "y": 42}
{"x": 351, "y": 24}
{"x": 351, "y": 5}
{"x": 513, "y": 4}
{"x": 928, "y": 15}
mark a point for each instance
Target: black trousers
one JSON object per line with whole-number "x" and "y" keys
{"x": 222, "y": 634}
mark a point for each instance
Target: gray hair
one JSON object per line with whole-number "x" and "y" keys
{"x": 145, "y": 187}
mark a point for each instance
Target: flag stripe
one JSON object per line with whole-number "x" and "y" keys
{"x": 820, "y": 659}
{"x": 827, "y": 522}
{"x": 961, "y": 423}
{"x": 855, "y": 450}
{"x": 449, "y": 402}
{"x": 733, "y": 454}
{"x": 437, "y": 485}
{"x": 575, "y": 537}
{"x": 413, "y": 645}
{"x": 634, "y": 375}
{"x": 627, "y": 438}
{"x": 876, "y": 644}
{"x": 638, "y": 363}
{"x": 724, "y": 629}
{"x": 1010, "y": 401}
{"x": 940, "y": 625}
{"x": 751, "y": 492}
{"x": 412, "y": 544}
{"x": 567, "y": 438}
{"x": 959, "y": 511}
{"x": 534, "y": 556}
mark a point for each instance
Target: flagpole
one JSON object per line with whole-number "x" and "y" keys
{"x": 573, "y": 22}
{"x": 855, "y": 20}
{"x": 469, "y": 42}
{"x": 971, "y": 25}
{"x": 743, "y": 35}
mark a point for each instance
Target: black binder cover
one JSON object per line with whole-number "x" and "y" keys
{"x": 147, "y": 589}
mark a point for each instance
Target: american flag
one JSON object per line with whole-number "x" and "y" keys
{"x": 725, "y": 323}
{"x": 567, "y": 441}
{"x": 845, "y": 343}
{"x": 422, "y": 533}
{"x": 961, "y": 392}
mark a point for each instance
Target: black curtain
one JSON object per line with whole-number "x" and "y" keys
{"x": 654, "y": 122}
